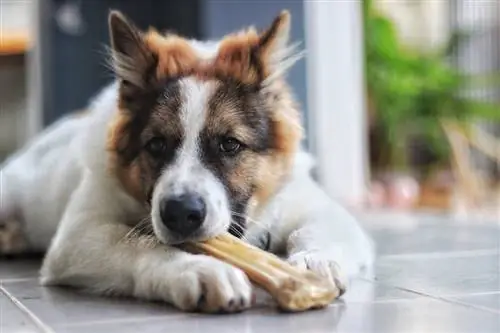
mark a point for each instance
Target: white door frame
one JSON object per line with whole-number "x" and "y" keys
{"x": 35, "y": 71}
{"x": 336, "y": 96}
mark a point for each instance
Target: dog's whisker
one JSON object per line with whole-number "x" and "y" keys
{"x": 151, "y": 241}
{"x": 240, "y": 234}
{"x": 142, "y": 227}
{"x": 258, "y": 224}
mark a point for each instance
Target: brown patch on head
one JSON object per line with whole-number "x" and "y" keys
{"x": 237, "y": 58}
{"x": 288, "y": 133}
{"x": 248, "y": 107}
{"x": 134, "y": 128}
{"x": 247, "y": 56}
{"x": 176, "y": 57}
{"x": 268, "y": 125}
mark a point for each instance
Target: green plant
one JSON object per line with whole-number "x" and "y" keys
{"x": 413, "y": 91}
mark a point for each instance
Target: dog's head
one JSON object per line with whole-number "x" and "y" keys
{"x": 204, "y": 132}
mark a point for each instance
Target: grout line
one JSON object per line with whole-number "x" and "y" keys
{"x": 480, "y": 293}
{"x": 477, "y": 293}
{"x": 452, "y": 301}
{"x": 443, "y": 298}
{"x": 37, "y": 321}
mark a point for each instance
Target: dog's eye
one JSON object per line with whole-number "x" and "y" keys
{"x": 230, "y": 146}
{"x": 156, "y": 146}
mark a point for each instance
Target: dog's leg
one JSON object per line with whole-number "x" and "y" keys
{"x": 102, "y": 264}
{"x": 91, "y": 251}
{"x": 320, "y": 235}
{"x": 330, "y": 242}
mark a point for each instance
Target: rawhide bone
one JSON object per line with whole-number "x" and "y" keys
{"x": 293, "y": 289}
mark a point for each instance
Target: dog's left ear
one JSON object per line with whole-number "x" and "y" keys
{"x": 274, "y": 49}
{"x": 258, "y": 58}
{"x": 274, "y": 39}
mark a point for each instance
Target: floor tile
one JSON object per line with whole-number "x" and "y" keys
{"x": 61, "y": 306}
{"x": 436, "y": 238}
{"x": 13, "y": 319}
{"x": 398, "y": 234}
{"x": 56, "y": 306}
{"x": 487, "y": 301}
{"x": 442, "y": 275}
{"x": 405, "y": 316}
{"x": 361, "y": 291}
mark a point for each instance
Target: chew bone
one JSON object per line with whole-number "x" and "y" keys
{"x": 293, "y": 289}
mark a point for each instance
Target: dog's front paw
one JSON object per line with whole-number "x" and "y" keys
{"x": 321, "y": 264}
{"x": 210, "y": 285}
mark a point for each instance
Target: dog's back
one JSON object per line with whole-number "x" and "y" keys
{"x": 37, "y": 182}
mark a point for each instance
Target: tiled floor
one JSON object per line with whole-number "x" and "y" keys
{"x": 433, "y": 275}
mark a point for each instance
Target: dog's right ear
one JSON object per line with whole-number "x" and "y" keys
{"x": 131, "y": 59}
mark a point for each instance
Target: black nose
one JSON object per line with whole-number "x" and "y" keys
{"x": 183, "y": 214}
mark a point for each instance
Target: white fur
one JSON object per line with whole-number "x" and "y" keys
{"x": 187, "y": 173}
{"x": 73, "y": 207}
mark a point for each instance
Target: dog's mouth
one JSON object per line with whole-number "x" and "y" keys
{"x": 232, "y": 221}
{"x": 236, "y": 228}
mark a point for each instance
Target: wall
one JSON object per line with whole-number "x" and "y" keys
{"x": 14, "y": 20}
{"x": 74, "y": 58}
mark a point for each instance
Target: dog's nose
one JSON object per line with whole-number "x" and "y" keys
{"x": 183, "y": 214}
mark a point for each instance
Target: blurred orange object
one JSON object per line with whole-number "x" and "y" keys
{"x": 12, "y": 43}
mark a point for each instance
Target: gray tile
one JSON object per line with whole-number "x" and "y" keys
{"x": 437, "y": 237}
{"x": 404, "y": 316}
{"x": 442, "y": 275}
{"x": 62, "y": 307}
{"x": 57, "y": 306}
{"x": 361, "y": 291}
{"x": 18, "y": 269}
{"x": 487, "y": 301}
{"x": 422, "y": 315}
{"x": 12, "y": 319}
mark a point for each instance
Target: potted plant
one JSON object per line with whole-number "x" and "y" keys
{"x": 409, "y": 94}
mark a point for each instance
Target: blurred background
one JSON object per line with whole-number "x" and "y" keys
{"x": 401, "y": 99}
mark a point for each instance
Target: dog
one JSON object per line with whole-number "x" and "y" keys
{"x": 193, "y": 139}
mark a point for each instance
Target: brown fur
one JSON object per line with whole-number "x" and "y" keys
{"x": 127, "y": 136}
{"x": 259, "y": 173}
{"x": 127, "y": 175}
{"x": 243, "y": 58}
{"x": 175, "y": 56}
{"x": 288, "y": 133}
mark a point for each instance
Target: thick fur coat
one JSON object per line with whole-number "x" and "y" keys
{"x": 192, "y": 140}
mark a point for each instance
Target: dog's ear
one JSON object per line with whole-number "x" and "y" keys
{"x": 275, "y": 38}
{"x": 253, "y": 57}
{"x": 274, "y": 49}
{"x": 131, "y": 59}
